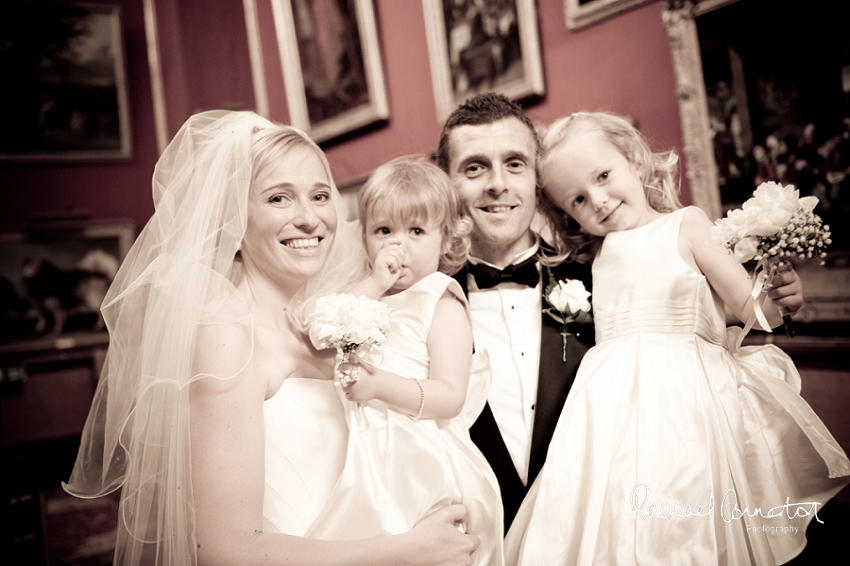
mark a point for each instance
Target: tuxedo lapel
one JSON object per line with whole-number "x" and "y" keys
{"x": 485, "y": 434}
{"x": 556, "y": 375}
{"x": 462, "y": 277}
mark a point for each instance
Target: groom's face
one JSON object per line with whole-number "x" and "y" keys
{"x": 493, "y": 168}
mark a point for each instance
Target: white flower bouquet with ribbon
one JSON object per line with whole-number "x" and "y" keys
{"x": 569, "y": 302}
{"x": 774, "y": 223}
{"x": 355, "y": 326}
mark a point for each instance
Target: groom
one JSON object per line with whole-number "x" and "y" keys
{"x": 490, "y": 148}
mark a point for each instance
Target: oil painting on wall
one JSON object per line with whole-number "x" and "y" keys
{"x": 69, "y": 100}
{"x": 764, "y": 96}
{"x": 482, "y": 46}
{"x": 332, "y": 65}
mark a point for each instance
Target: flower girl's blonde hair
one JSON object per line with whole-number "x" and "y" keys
{"x": 413, "y": 189}
{"x": 659, "y": 176}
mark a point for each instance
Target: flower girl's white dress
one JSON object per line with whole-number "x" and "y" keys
{"x": 672, "y": 438}
{"x": 398, "y": 469}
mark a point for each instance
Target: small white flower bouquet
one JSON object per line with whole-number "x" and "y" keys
{"x": 569, "y": 302}
{"x": 355, "y": 326}
{"x": 774, "y": 223}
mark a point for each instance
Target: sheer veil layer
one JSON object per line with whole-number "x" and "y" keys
{"x": 179, "y": 274}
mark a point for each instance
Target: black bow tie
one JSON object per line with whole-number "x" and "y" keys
{"x": 524, "y": 273}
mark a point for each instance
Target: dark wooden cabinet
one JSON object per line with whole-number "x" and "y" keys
{"x": 46, "y": 389}
{"x": 47, "y": 386}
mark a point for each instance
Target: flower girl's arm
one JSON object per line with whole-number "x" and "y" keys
{"x": 726, "y": 276}
{"x": 450, "y": 348}
{"x": 386, "y": 270}
{"x": 444, "y": 392}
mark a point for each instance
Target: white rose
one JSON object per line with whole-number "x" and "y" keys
{"x": 734, "y": 226}
{"x": 775, "y": 205}
{"x": 570, "y": 297}
{"x": 342, "y": 319}
{"x": 746, "y": 249}
{"x": 808, "y": 204}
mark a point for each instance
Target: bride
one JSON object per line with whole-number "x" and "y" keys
{"x": 212, "y": 416}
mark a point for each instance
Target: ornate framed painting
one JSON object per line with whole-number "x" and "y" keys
{"x": 755, "y": 110}
{"x": 55, "y": 273}
{"x": 332, "y": 66}
{"x": 478, "y": 47}
{"x": 69, "y": 100}
{"x": 582, "y": 13}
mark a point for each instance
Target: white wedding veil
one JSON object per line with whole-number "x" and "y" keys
{"x": 180, "y": 273}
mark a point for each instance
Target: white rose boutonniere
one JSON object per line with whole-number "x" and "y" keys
{"x": 569, "y": 302}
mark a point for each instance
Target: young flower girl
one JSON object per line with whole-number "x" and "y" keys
{"x": 410, "y": 406}
{"x": 675, "y": 445}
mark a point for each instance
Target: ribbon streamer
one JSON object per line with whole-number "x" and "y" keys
{"x": 763, "y": 273}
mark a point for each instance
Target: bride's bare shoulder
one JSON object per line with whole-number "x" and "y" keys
{"x": 223, "y": 350}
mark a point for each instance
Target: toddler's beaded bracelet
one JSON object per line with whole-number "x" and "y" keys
{"x": 421, "y": 401}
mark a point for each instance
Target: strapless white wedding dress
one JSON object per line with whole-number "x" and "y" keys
{"x": 306, "y": 439}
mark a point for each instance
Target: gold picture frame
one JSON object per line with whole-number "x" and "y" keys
{"x": 580, "y": 14}
{"x": 334, "y": 78}
{"x": 475, "y": 49}
{"x": 826, "y": 298}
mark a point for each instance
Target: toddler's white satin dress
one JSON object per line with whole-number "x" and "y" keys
{"x": 672, "y": 436}
{"x": 396, "y": 469}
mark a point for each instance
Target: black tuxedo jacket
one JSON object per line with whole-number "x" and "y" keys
{"x": 555, "y": 378}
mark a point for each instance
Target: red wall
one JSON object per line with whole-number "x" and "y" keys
{"x": 621, "y": 64}
{"x": 104, "y": 190}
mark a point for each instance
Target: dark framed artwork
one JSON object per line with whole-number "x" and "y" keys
{"x": 755, "y": 110}
{"x": 476, "y": 47}
{"x": 66, "y": 93}
{"x": 54, "y": 274}
{"x": 332, "y": 66}
{"x": 582, "y": 13}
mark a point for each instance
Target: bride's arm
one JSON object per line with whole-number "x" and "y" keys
{"x": 227, "y": 455}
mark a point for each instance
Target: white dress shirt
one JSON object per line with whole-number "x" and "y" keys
{"x": 506, "y": 323}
